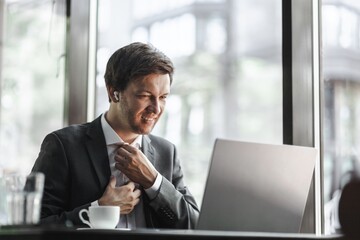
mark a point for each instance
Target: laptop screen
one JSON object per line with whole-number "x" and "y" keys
{"x": 256, "y": 187}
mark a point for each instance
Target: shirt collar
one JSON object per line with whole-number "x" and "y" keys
{"x": 111, "y": 136}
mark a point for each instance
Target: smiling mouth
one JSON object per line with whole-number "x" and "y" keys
{"x": 147, "y": 119}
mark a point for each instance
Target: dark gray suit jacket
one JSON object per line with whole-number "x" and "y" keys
{"x": 76, "y": 167}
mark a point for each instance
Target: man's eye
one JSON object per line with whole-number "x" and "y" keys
{"x": 143, "y": 96}
{"x": 163, "y": 97}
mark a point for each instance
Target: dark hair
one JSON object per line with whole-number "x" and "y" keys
{"x": 133, "y": 61}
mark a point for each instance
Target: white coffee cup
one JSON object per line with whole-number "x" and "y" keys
{"x": 106, "y": 217}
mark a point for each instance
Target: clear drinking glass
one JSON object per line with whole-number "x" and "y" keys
{"x": 23, "y": 198}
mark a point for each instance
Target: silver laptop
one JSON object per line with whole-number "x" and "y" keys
{"x": 256, "y": 187}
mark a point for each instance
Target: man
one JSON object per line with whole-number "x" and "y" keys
{"x": 114, "y": 160}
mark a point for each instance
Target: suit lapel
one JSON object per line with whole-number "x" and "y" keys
{"x": 149, "y": 152}
{"x": 96, "y": 147}
{"x": 148, "y": 149}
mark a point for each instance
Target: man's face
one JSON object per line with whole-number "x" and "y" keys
{"x": 142, "y": 103}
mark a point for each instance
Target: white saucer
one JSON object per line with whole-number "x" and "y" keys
{"x": 118, "y": 229}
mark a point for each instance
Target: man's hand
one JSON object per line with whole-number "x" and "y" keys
{"x": 126, "y": 196}
{"x": 134, "y": 164}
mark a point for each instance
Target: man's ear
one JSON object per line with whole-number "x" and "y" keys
{"x": 116, "y": 95}
{"x": 113, "y": 95}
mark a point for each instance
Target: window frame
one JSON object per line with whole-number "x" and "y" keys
{"x": 302, "y": 92}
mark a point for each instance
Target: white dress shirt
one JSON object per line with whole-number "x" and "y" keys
{"x": 136, "y": 218}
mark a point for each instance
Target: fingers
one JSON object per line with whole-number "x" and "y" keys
{"x": 121, "y": 164}
{"x": 108, "y": 197}
{"x": 133, "y": 194}
{"x": 112, "y": 182}
{"x": 127, "y": 159}
{"x": 123, "y": 156}
{"x": 137, "y": 193}
{"x": 127, "y": 150}
{"x": 132, "y": 198}
{"x": 131, "y": 186}
{"x": 127, "y": 208}
{"x": 127, "y": 154}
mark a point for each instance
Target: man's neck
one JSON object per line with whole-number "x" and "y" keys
{"x": 127, "y": 138}
{"x": 125, "y": 135}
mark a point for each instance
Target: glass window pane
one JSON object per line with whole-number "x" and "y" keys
{"x": 341, "y": 59}
{"x": 32, "y": 79}
{"x": 228, "y": 77}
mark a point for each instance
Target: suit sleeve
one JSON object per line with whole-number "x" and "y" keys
{"x": 53, "y": 162}
{"x": 174, "y": 205}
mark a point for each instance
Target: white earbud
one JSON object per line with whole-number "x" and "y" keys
{"x": 116, "y": 95}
